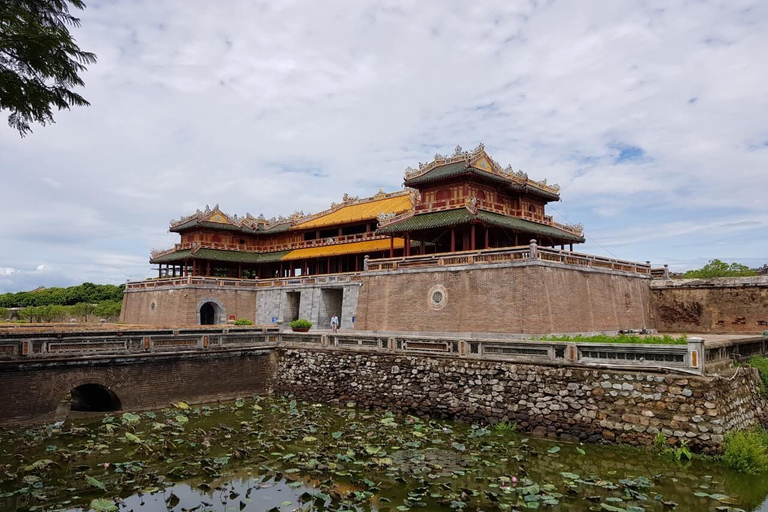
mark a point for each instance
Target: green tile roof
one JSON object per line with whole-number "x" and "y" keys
{"x": 428, "y": 221}
{"x": 219, "y": 255}
{"x": 458, "y": 168}
{"x": 447, "y": 218}
{"x": 527, "y": 226}
{"x": 454, "y": 169}
{"x": 212, "y": 225}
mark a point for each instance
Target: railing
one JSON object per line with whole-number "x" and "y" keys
{"x": 262, "y": 248}
{"x": 68, "y": 345}
{"x": 640, "y": 356}
{"x": 483, "y": 204}
{"x": 509, "y": 254}
{"x": 229, "y": 282}
{"x": 79, "y": 345}
{"x": 722, "y": 354}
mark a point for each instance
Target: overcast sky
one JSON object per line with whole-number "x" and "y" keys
{"x": 652, "y": 116}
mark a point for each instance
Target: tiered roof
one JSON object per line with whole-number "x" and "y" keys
{"x": 478, "y": 163}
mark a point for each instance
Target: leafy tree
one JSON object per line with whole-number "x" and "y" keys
{"x": 717, "y": 268}
{"x": 82, "y": 310}
{"x": 87, "y": 292}
{"x": 39, "y": 60}
{"x": 108, "y": 309}
{"x": 4, "y": 314}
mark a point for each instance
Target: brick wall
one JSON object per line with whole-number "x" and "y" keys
{"x": 725, "y": 305}
{"x": 180, "y": 306}
{"x": 569, "y": 403}
{"x": 33, "y": 391}
{"x": 532, "y": 298}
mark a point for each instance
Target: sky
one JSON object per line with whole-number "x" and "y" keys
{"x": 651, "y": 115}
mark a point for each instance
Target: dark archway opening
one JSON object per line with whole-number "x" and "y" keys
{"x": 207, "y": 314}
{"x": 95, "y": 398}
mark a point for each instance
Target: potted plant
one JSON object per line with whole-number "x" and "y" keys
{"x": 301, "y": 325}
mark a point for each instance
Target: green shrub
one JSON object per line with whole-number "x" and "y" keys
{"x": 5, "y": 314}
{"x": 301, "y": 323}
{"x": 717, "y": 268}
{"x": 621, "y": 338}
{"x": 243, "y": 321}
{"x": 505, "y": 426}
{"x": 761, "y": 363}
{"x": 747, "y": 451}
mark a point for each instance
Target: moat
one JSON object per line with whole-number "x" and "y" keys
{"x": 278, "y": 454}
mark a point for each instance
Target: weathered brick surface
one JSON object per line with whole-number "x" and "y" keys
{"x": 531, "y": 299}
{"x": 33, "y": 391}
{"x": 563, "y": 402}
{"x": 180, "y": 306}
{"x": 724, "y": 305}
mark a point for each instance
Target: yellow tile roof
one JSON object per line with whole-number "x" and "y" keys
{"x": 358, "y": 212}
{"x": 336, "y": 250}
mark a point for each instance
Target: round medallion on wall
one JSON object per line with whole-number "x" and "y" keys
{"x": 437, "y": 296}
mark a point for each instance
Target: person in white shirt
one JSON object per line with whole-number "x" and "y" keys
{"x": 334, "y": 323}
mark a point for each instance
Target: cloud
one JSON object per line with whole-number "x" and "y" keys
{"x": 648, "y": 114}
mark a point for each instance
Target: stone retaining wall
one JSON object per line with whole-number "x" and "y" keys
{"x": 569, "y": 403}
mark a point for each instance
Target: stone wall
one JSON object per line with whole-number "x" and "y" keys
{"x": 181, "y": 305}
{"x": 526, "y": 298}
{"x": 724, "y": 305}
{"x": 32, "y": 391}
{"x": 563, "y": 402}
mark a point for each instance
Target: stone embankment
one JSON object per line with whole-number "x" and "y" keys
{"x": 569, "y": 403}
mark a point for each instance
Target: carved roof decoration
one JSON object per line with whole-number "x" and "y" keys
{"x": 214, "y": 218}
{"x": 479, "y": 159}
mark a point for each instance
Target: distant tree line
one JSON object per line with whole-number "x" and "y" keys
{"x": 718, "y": 268}
{"x": 83, "y": 303}
{"x": 88, "y": 293}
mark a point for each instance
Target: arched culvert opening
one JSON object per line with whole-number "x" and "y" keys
{"x": 95, "y": 398}
{"x": 210, "y": 314}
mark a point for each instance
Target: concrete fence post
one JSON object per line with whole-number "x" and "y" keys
{"x": 666, "y": 271}
{"x": 532, "y": 251}
{"x": 391, "y": 344}
{"x": 366, "y": 259}
{"x": 323, "y": 340}
{"x": 696, "y": 355}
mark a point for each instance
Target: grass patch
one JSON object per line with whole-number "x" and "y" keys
{"x": 761, "y": 363}
{"x": 747, "y": 451}
{"x": 622, "y": 338}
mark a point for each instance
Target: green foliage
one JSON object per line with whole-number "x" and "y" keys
{"x": 761, "y": 363}
{"x": 5, "y": 314}
{"x": 39, "y": 60}
{"x": 621, "y": 338}
{"x": 85, "y": 293}
{"x": 505, "y": 426}
{"x": 717, "y": 268}
{"x": 747, "y": 451}
{"x": 660, "y": 442}
{"x": 301, "y": 323}
{"x": 108, "y": 309}
{"x": 243, "y": 321}
{"x": 683, "y": 452}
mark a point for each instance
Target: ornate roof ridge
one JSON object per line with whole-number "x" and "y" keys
{"x": 348, "y": 200}
{"x": 261, "y": 223}
{"x": 459, "y": 155}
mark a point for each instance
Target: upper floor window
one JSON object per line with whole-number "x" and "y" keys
{"x": 443, "y": 194}
{"x": 531, "y": 208}
{"x": 481, "y": 195}
{"x": 215, "y": 238}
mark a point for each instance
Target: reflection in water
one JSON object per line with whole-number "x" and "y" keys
{"x": 282, "y": 456}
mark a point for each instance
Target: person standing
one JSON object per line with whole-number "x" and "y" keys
{"x": 334, "y": 323}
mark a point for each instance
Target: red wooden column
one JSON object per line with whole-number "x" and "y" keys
{"x": 391, "y": 246}
{"x": 453, "y": 239}
{"x": 290, "y": 269}
{"x": 407, "y": 244}
{"x": 159, "y": 270}
{"x": 487, "y": 238}
{"x": 239, "y": 270}
{"x": 472, "y": 243}
{"x": 194, "y": 267}
{"x": 186, "y": 268}
{"x": 208, "y": 268}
